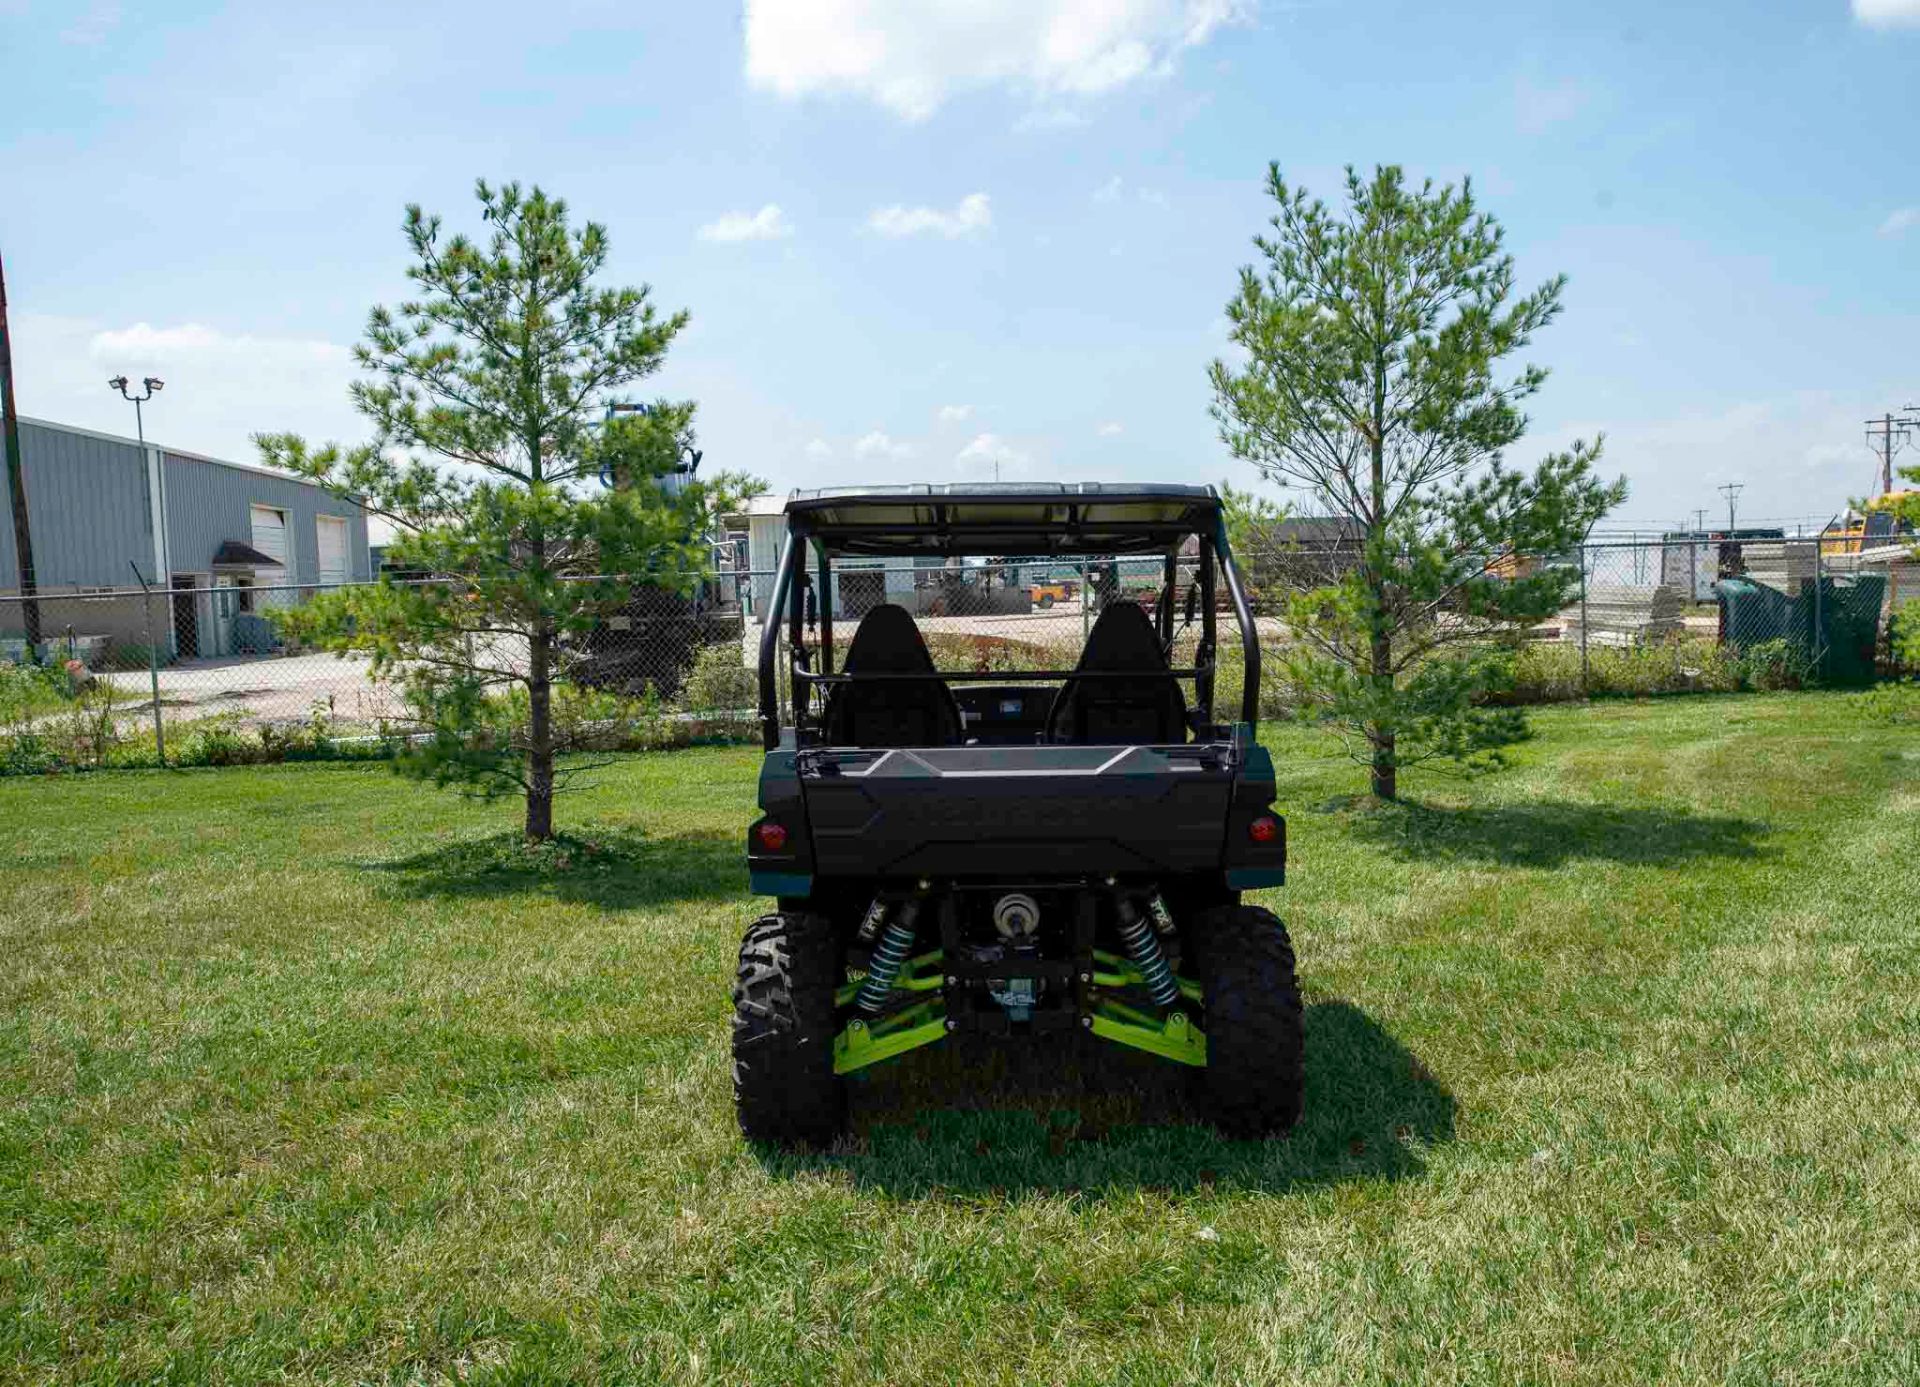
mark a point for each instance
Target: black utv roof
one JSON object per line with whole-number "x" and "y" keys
{"x": 1005, "y": 517}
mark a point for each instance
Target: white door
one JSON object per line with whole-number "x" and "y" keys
{"x": 270, "y": 538}
{"x": 331, "y": 532}
{"x": 226, "y": 606}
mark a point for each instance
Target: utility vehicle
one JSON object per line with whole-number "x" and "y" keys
{"x": 1061, "y": 848}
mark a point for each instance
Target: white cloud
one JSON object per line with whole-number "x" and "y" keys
{"x": 992, "y": 455}
{"x": 878, "y": 445}
{"x": 1900, "y": 222}
{"x": 1537, "y": 108}
{"x": 1885, "y": 14}
{"x": 909, "y": 56}
{"x": 1111, "y": 429}
{"x": 818, "y": 450}
{"x": 768, "y": 224}
{"x": 1109, "y": 191}
{"x": 221, "y": 386}
{"x": 1800, "y": 456}
{"x": 971, "y": 214}
{"x": 953, "y": 414}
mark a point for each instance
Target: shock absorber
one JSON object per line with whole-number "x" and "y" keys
{"x": 888, "y": 956}
{"x": 1143, "y": 947}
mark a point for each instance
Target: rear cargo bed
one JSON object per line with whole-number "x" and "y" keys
{"x": 989, "y": 812}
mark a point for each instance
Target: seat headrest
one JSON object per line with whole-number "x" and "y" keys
{"x": 1124, "y": 639}
{"x": 887, "y": 642}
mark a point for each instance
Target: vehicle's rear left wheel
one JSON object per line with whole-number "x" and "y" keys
{"x": 784, "y": 1086}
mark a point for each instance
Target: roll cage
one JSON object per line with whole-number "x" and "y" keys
{"x": 963, "y": 520}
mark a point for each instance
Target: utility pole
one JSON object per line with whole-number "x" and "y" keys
{"x": 1885, "y": 436}
{"x": 1699, "y": 519}
{"x": 17, "y": 485}
{"x": 1732, "y": 492}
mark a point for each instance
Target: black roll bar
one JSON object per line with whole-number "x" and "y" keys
{"x": 770, "y": 641}
{"x": 1249, "y": 634}
{"x": 996, "y": 676}
{"x": 1204, "y": 656}
{"x": 1216, "y": 555}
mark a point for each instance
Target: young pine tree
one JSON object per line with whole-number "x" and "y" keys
{"x": 1374, "y": 340}
{"x": 490, "y": 454}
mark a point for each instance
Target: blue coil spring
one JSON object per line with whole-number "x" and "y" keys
{"x": 1143, "y": 947}
{"x": 888, "y": 956}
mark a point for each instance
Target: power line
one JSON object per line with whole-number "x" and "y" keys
{"x": 1732, "y": 492}
{"x": 1893, "y": 431}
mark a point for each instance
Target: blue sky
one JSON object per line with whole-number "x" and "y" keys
{"x": 998, "y": 230}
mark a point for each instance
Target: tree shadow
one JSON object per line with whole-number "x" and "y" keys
{"x": 976, "y": 1118}
{"x": 1552, "y": 833}
{"x": 613, "y": 868}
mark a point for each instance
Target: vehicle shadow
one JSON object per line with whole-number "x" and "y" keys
{"x": 976, "y": 1118}
{"x": 1553, "y": 833}
{"x": 614, "y": 868}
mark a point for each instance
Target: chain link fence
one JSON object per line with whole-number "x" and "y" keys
{"x": 208, "y": 675}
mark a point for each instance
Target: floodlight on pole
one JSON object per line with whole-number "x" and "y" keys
{"x": 150, "y": 386}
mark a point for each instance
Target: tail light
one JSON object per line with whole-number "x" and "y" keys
{"x": 1264, "y": 829}
{"x": 772, "y": 836}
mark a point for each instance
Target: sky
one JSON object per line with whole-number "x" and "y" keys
{"x": 922, "y": 241}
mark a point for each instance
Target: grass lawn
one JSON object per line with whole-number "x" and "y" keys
{"x": 1614, "y": 1077}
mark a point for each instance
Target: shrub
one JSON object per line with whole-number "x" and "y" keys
{"x": 1550, "y": 671}
{"x": 720, "y": 681}
{"x": 32, "y": 691}
{"x": 1775, "y": 664}
{"x": 1903, "y": 634}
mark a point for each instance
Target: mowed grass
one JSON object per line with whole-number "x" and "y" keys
{"x": 1613, "y": 1068}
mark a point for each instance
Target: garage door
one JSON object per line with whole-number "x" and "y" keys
{"x": 332, "y": 533}
{"x": 270, "y": 538}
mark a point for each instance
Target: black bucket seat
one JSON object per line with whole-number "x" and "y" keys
{"x": 1147, "y": 711}
{"x": 891, "y": 712}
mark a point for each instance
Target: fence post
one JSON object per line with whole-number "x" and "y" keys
{"x": 1819, "y": 626}
{"x": 153, "y": 671}
{"x": 1583, "y": 620}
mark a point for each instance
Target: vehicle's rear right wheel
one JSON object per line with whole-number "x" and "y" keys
{"x": 1256, "y": 1043}
{"x": 1046, "y": 601}
{"x": 784, "y": 1086}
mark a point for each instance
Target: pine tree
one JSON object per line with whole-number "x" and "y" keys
{"x": 492, "y": 448}
{"x": 1373, "y": 341}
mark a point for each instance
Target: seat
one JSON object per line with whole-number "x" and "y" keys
{"x": 891, "y": 712}
{"x": 1147, "y": 711}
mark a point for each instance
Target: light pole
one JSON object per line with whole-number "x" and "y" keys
{"x": 152, "y": 385}
{"x": 149, "y": 386}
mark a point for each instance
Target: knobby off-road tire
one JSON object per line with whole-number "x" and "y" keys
{"x": 1256, "y": 1043}
{"x": 783, "y": 1081}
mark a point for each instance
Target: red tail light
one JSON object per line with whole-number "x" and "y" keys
{"x": 1264, "y": 829}
{"x": 772, "y": 836}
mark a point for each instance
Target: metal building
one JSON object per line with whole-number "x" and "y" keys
{"x": 227, "y": 538}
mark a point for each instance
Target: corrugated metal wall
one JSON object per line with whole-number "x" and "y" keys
{"x": 208, "y": 503}
{"x": 87, "y": 498}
